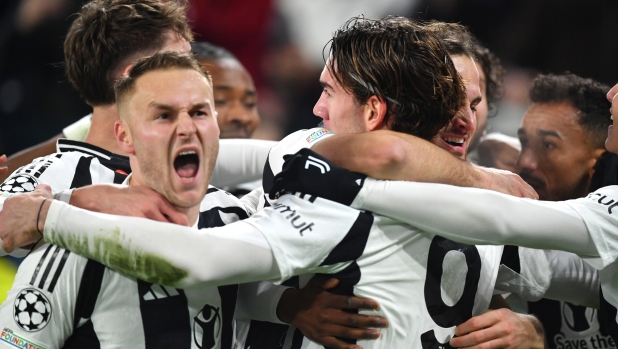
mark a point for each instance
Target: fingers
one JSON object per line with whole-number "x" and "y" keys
{"x": 3, "y": 169}
{"x": 361, "y": 303}
{"x": 324, "y": 282}
{"x": 474, "y": 338}
{"x": 7, "y": 246}
{"x": 43, "y": 190}
{"x": 172, "y": 214}
{"x": 477, "y": 323}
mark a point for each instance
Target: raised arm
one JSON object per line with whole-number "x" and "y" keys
{"x": 240, "y": 161}
{"x": 475, "y": 216}
{"x": 392, "y": 155}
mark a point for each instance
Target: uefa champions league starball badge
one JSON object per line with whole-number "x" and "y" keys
{"x": 32, "y": 310}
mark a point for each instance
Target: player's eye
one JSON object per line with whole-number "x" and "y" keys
{"x": 548, "y": 145}
{"x": 163, "y": 116}
{"x": 326, "y": 93}
{"x": 220, "y": 102}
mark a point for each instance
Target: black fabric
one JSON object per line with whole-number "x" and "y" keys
{"x": 608, "y": 318}
{"x": 268, "y": 177}
{"x": 40, "y": 264}
{"x": 567, "y": 325}
{"x": 308, "y": 172}
{"x": 510, "y": 258}
{"x": 61, "y": 264}
{"x": 605, "y": 172}
{"x": 166, "y": 320}
{"x": 89, "y": 288}
{"x": 82, "y": 176}
{"x": 228, "y": 296}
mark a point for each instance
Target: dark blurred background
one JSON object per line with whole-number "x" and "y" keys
{"x": 280, "y": 42}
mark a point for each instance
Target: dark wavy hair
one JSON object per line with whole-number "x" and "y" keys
{"x": 107, "y": 32}
{"x": 208, "y": 51}
{"x": 400, "y": 61}
{"x": 459, "y": 41}
{"x": 587, "y": 96}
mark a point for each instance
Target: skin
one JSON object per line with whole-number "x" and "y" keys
{"x": 463, "y": 125}
{"x": 169, "y": 112}
{"x": 235, "y": 97}
{"x": 556, "y": 159}
{"x": 482, "y": 110}
{"x": 342, "y": 113}
{"x": 612, "y": 138}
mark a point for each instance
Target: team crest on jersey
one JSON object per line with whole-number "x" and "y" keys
{"x": 8, "y": 336}
{"x": 317, "y": 135}
{"x": 20, "y": 183}
{"x": 32, "y": 310}
{"x": 207, "y": 327}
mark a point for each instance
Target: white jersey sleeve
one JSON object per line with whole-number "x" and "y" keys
{"x": 40, "y": 307}
{"x": 597, "y": 212}
{"x": 240, "y": 161}
{"x": 476, "y": 216}
{"x": 290, "y": 238}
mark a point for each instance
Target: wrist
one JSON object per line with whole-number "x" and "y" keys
{"x": 42, "y": 215}
{"x": 285, "y": 307}
{"x": 537, "y": 329}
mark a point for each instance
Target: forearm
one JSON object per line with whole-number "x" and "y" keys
{"x": 395, "y": 156}
{"x": 162, "y": 253}
{"x": 240, "y": 161}
{"x": 476, "y": 216}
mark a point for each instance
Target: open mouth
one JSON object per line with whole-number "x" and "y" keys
{"x": 454, "y": 141}
{"x": 186, "y": 165}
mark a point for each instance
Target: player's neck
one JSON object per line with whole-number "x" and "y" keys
{"x": 192, "y": 213}
{"x": 101, "y": 132}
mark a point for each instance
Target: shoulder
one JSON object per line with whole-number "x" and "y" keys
{"x": 219, "y": 208}
{"x": 293, "y": 143}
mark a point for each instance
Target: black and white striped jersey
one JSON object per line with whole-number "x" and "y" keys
{"x": 425, "y": 284}
{"x": 86, "y": 305}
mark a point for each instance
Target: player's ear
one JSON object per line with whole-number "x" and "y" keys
{"x": 123, "y": 137}
{"x": 375, "y": 113}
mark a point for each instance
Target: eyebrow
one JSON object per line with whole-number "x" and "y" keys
{"x": 171, "y": 108}
{"x": 544, "y": 133}
{"x": 228, "y": 88}
{"x": 325, "y": 84}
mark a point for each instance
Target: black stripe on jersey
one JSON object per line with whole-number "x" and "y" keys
{"x": 63, "y": 261}
{"x": 264, "y": 334}
{"x": 38, "y": 266}
{"x": 212, "y": 190}
{"x": 350, "y": 249}
{"x": 167, "y": 323}
{"x": 82, "y": 176}
{"x": 510, "y": 258}
{"x": 44, "y": 167}
{"x": 228, "y": 296}
{"x": 353, "y": 244}
{"x": 89, "y": 288}
{"x": 268, "y": 177}
{"x": 49, "y": 267}
{"x": 212, "y": 218}
{"x": 607, "y": 315}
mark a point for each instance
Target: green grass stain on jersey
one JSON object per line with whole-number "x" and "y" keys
{"x": 115, "y": 253}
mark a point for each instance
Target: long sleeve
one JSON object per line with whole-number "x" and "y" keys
{"x": 292, "y": 237}
{"x": 240, "y": 161}
{"x": 476, "y": 216}
{"x": 163, "y": 253}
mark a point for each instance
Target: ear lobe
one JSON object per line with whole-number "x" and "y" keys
{"x": 123, "y": 137}
{"x": 376, "y": 109}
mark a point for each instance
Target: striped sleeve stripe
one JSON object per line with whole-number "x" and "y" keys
{"x": 38, "y": 267}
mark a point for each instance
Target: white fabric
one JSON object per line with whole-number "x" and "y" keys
{"x": 78, "y": 130}
{"x": 240, "y": 161}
